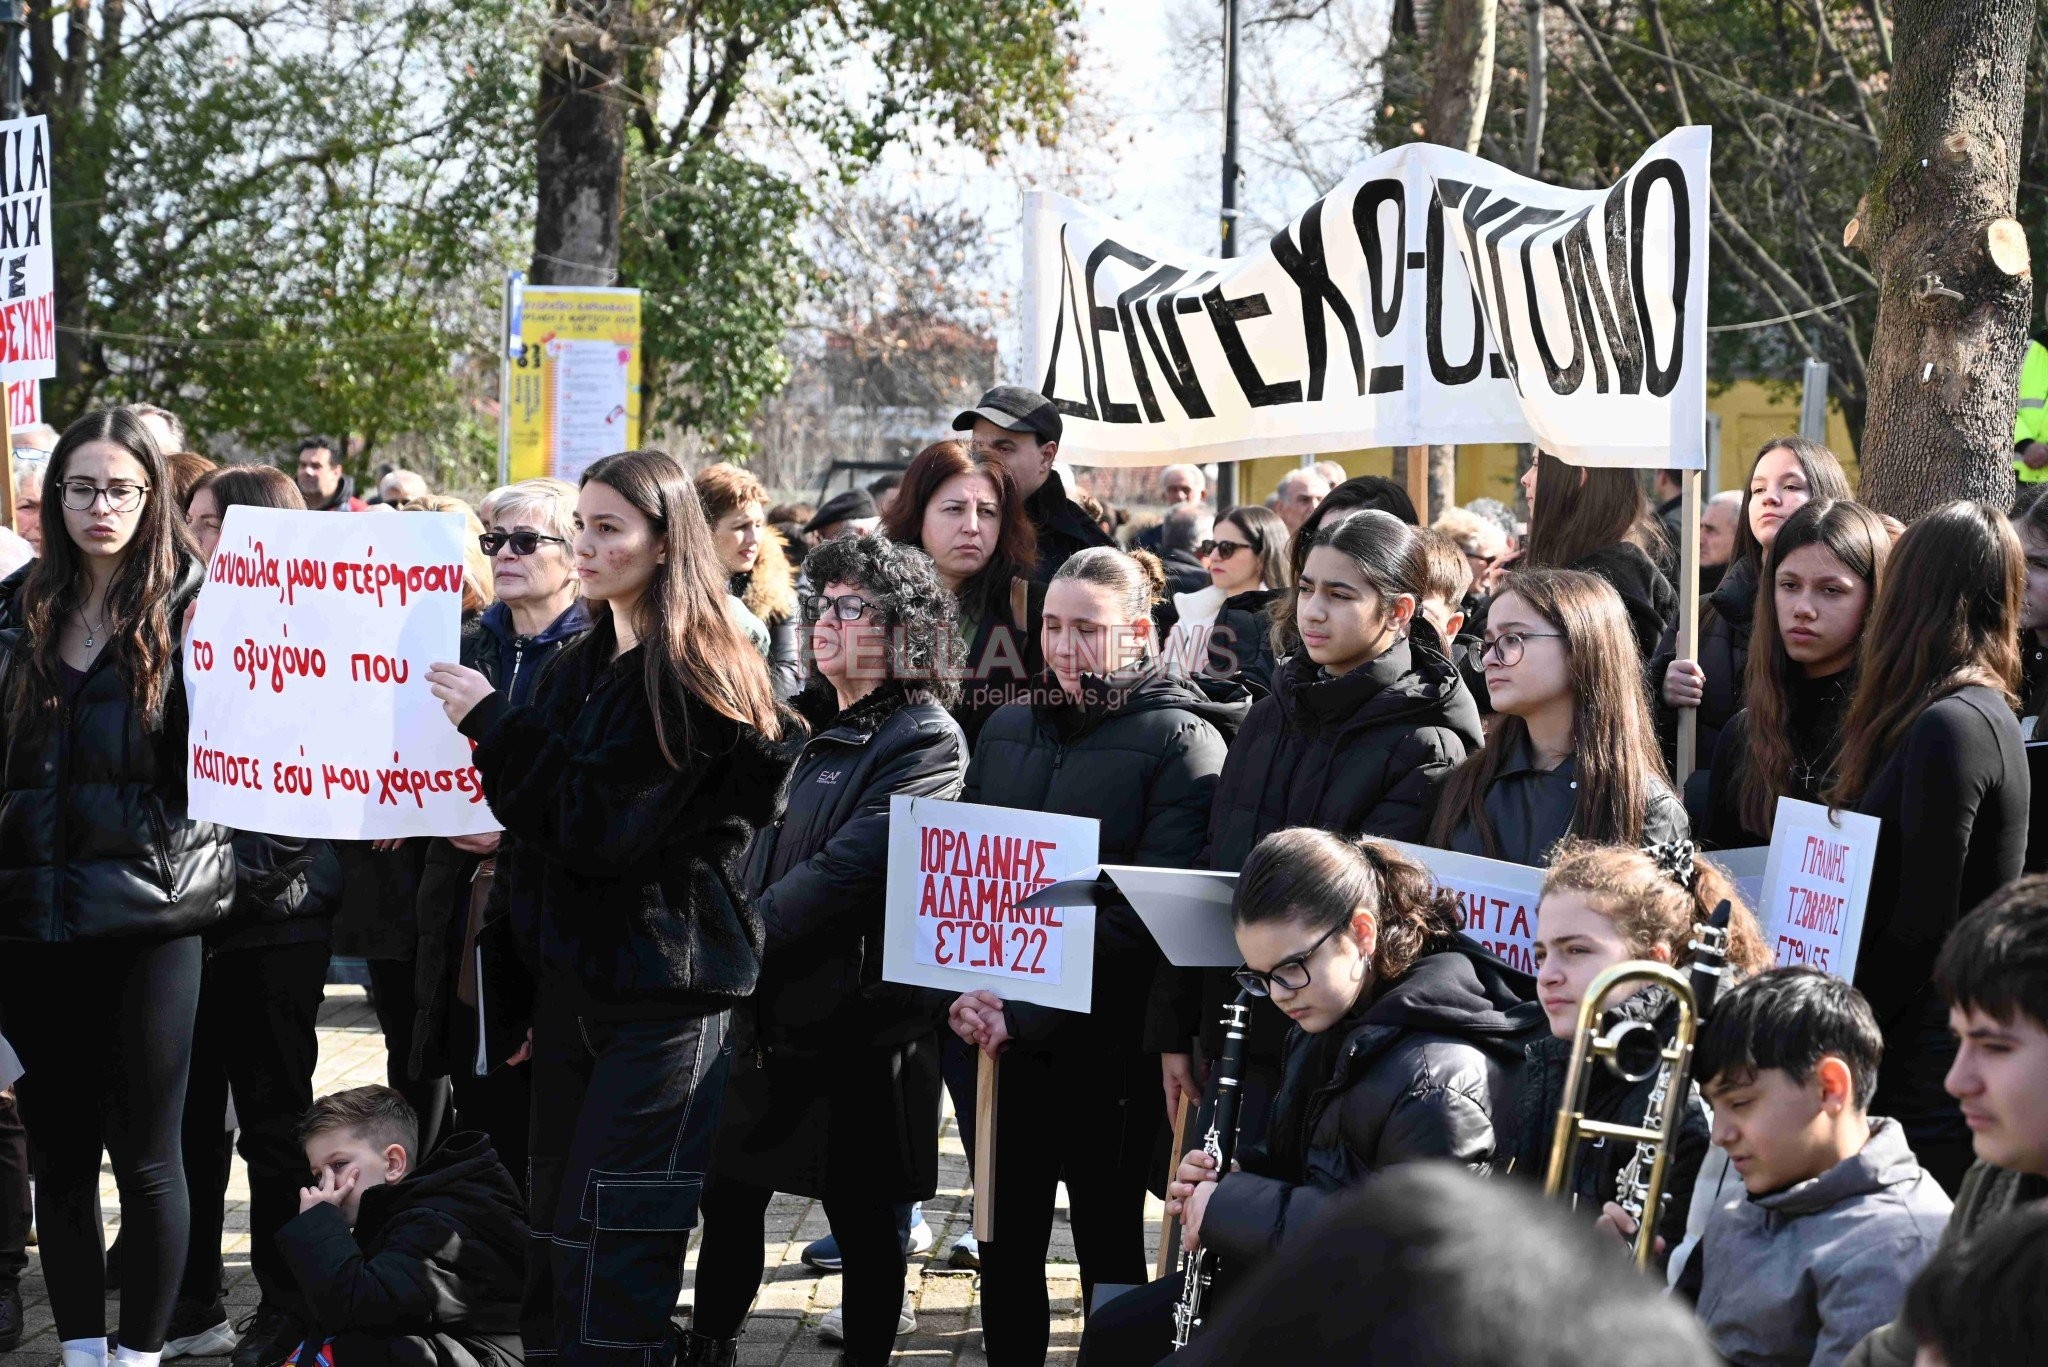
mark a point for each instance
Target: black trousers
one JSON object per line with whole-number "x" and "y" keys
{"x": 1135, "y": 1329}
{"x": 623, "y": 1117}
{"x": 733, "y": 1255}
{"x": 500, "y": 1103}
{"x": 104, "y": 1028}
{"x": 397, "y": 1002}
{"x": 14, "y": 1193}
{"x": 1084, "y": 1116}
{"x": 259, "y": 1011}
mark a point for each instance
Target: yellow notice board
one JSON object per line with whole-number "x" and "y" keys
{"x": 575, "y": 384}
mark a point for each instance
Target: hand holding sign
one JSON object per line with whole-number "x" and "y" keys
{"x": 459, "y": 688}
{"x": 977, "y": 1018}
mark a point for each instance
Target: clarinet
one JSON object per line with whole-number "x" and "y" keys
{"x": 1709, "y": 963}
{"x": 1198, "y": 1270}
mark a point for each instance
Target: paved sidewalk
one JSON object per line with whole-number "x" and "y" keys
{"x": 783, "y": 1329}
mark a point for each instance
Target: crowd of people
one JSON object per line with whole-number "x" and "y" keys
{"x": 656, "y": 998}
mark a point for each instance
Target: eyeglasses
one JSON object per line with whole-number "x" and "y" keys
{"x": 1291, "y": 974}
{"x": 522, "y": 543}
{"x": 1222, "y": 550}
{"x": 848, "y": 607}
{"x": 1509, "y": 645}
{"x": 80, "y": 495}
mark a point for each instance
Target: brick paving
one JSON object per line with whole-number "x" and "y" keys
{"x": 782, "y": 1331}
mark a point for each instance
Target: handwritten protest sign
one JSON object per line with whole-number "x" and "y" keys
{"x": 306, "y": 667}
{"x": 1498, "y": 898}
{"x": 28, "y": 309}
{"x": 1817, "y": 885}
{"x": 956, "y": 873}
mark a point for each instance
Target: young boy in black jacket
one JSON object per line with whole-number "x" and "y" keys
{"x": 396, "y": 1265}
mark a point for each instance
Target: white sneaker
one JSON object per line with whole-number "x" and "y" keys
{"x": 921, "y": 1237}
{"x": 833, "y": 1329}
{"x": 966, "y": 1252}
{"x": 207, "y": 1343}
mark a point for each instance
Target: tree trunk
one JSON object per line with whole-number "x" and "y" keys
{"x": 1953, "y": 278}
{"x": 580, "y": 147}
{"x": 1443, "y": 482}
{"x": 1462, "y": 74}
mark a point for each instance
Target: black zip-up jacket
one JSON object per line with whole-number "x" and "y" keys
{"x": 440, "y": 1254}
{"x": 1062, "y": 527}
{"x": 1426, "y": 1069}
{"x": 1651, "y": 601}
{"x": 620, "y": 873}
{"x": 94, "y": 841}
{"x": 1727, "y": 617}
{"x": 819, "y": 876}
{"x": 1532, "y": 809}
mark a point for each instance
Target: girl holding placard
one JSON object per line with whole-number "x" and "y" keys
{"x": 1932, "y": 749}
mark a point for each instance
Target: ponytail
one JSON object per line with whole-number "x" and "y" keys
{"x": 1310, "y": 875}
{"x": 1659, "y": 896}
{"x": 1136, "y": 577}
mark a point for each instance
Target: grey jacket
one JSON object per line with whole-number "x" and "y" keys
{"x": 1801, "y": 1275}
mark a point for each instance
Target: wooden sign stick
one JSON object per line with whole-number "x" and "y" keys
{"x": 984, "y": 1147}
{"x": 1169, "y": 1228}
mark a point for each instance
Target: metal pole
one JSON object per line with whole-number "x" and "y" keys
{"x": 1226, "y": 471}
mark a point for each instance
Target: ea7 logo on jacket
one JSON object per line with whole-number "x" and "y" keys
{"x": 829, "y": 776}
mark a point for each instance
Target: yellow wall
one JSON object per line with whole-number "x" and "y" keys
{"x": 1751, "y": 413}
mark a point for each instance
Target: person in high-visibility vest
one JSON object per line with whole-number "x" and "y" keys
{"x": 2030, "y": 424}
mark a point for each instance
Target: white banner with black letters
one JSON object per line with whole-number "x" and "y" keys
{"x": 1359, "y": 324}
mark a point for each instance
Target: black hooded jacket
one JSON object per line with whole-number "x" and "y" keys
{"x": 94, "y": 841}
{"x": 1426, "y": 1069}
{"x": 440, "y": 1254}
{"x": 1727, "y": 615}
{"x": 1651, "y": 601}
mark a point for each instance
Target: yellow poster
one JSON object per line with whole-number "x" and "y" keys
{"x": 575, "y": 390}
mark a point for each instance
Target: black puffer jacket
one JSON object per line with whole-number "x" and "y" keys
{"x": 1727, "y": 615}
{"x": 1531, "y": 809}
{"x": 1426, "y": 1070}
{"x": 1651, "y": 601}
{"x": 94, "y": 842}
{"x": 1142, "y": 758}
{"x": 621, "y": 874}
{"x": 1240, "y": 644}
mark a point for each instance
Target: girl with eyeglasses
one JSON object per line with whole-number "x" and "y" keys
{"x": 1111, "y": 736}
{"x": 105, "y": 885}
{"x": 1223, "y": 631}
{"x": 1575, "y": 750}
{"x": 757, "y": 566}
{"x": 1403, "y": 1042}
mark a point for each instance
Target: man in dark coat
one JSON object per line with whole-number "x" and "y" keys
{"x": 1021, "y": 428}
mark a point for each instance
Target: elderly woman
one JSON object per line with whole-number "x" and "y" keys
{"x": 757, "y": 571}
{"x": 835, "y": 1081}
{"x": 28, "y": 496}
{"x": 536, "y": 613}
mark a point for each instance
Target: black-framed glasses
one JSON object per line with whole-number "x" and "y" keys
{"x": 1509, "y": 646}
{"x": 522, "y": 542}
{"x": 1290, "y": 973}
{"x": 1222, "y": 550}
{"x": 847, "y": 607}
{"x": 82, "y": 494}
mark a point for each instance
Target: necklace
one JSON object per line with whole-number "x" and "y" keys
{"x": 92, "y": 632}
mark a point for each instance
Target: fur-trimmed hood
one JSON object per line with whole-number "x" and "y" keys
{"x": 769, "y": 589}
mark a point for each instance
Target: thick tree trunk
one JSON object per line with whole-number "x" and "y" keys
{"x": 1462, "y": 75}
{"x": 1954, "y": 283}
{"x": 580, "y": 146}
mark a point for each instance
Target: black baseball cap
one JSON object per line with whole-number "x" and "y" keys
{"x": 852, "y": 505}
{"x": 1014, "y": 409}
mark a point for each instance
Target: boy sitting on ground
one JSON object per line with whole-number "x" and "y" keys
{"x": 402, "y": 1265}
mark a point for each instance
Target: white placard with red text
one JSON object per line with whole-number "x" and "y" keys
{"x": 28, "y": 298}
{"x": 1817, "y": 886}
{"x": 956, "y": 873}
{"x": 306, "y": 668}
{"x": 1498, "y": 898}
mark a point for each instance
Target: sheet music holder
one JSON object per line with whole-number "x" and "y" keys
{"x": 1187, "y": 911}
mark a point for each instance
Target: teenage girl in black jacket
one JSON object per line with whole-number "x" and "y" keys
{"x": 628, "y": 790}
{"x": 105, "y": 886}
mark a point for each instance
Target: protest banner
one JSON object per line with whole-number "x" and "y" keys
{"x": 1498, "y": 898}
{"x": 1431, "y": 297}
{"x": 1817, "y": 886}
{"x": 574, "y": 379}
{"x": 28, "y": 300}
{"x": 305, "y": 666}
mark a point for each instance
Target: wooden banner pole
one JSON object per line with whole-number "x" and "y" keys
{"x": 1688, "y": 619}
{"x": 984, "y": 1147}
{"x": 7, "y": 513}
{"x": 1169, "y": 1228}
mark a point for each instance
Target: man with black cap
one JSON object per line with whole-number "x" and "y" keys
{"x": 846, "y": 514}
{"x": 1021, "y": 429}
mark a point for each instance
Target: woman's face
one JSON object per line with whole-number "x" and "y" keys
{"x": 1087, "y": 631}
{"x": 1821, "y": 605}
{"x": 202, "y": 519}
{"x": 1340, "y": 968}
{"x": 108, "y": 475}
{"x": 1777, "y": 489}
{"x": 961, "y": 523}
{"x": 617, "y": 548}
{"x": 1344, "y": 623}
{"x": 1574, "y": 945}
{"x": 2034, "y": 611}
{"x": 1542, "y": 675}
{"x": 532, "y": 578}
{"x": 28, "y": 508}
{"x": 1528, "y": 483}
{"x": 1237, "y": 572}
{"x": 853, "y": 656}
{"x": 738, "y": 538}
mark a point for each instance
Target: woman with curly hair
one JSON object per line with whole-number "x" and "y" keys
{"x": 835, "y": 1083}
{"x": 758, "y": 570}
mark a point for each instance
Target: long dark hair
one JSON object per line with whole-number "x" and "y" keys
{"x": 1360, "y": 491}
{"x": 1266, "y": 534}
{"x": 138, "y": 606}
{"x": 1614, "y": 738}
{"x": 1852, "y": 534}
{"x": 1579, "y": 509}
{"x": 1947, "y": 616}
{"x": 1825, "y": 478}
{"x": 1323, "y": 880}
{"x": 692, "y": 645}
{"x": 988, "y": 591}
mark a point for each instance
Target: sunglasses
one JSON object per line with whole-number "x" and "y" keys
{"x": 1222, "y": 550}
{"x": 522, "y": 543}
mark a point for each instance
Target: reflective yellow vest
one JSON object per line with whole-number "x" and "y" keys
{"x": 2031, "y": 422}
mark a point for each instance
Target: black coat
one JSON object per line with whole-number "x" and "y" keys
{"x": 439, "y": 1255}
{"x": 1003, "y": 658}
{"x": 1816, "y": 709}
{"x": 1532, "y": 809}
{"x": 1426, "y": 1069}
{"x": 1062, "y": 527}
{"x": 94, "y": 841}
{"x": 1727, "y": 616}
{"x": 835, "y": 1084}
{"x": 1651, "y": 601}
{"x": 620, "y": 874}
{"x": 1143, "y": 760}
{"x": 1184, "y": 573}
{"x": 287, "y": 890}
{"x": 1240, "y": 641}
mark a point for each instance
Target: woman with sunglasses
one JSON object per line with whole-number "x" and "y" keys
{"x": 105, "y": 884}
{"x": 1223, "y": 631}
{"x": 1575, "y": 750}
{"x": 835, "y": 1083}
{"x": 1403, "y": 1045}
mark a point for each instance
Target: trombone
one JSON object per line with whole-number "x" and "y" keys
{"x": 1631, "y": 1050}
